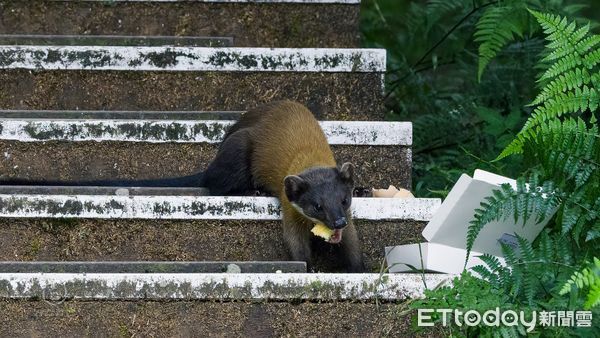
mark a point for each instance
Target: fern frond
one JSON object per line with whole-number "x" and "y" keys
{"x": 486, "y": 274}
{"x": 529, "y": 279}
{"x": 594, "y": 232}
{"x": 567, "y": 150}
{"x": 570, "y": 61}
{"x": 525, "y": 249}
{"x": 564, "y": 251}
{"x": 495, "y": 29}
{"x": 570, "y": 80}
{"x": 577, "y": 100}
{"x": 491, "y": 210}
{"x": 515, "y": 277}
{"x": 522, "y": 203}
{"x": 593, "y": 298}
{"x": 589, "y": 277}
{"x": 580, "y": 215}
{"x": 571, "y": 216}
{"x": 545, "y": 249}
{"x": 571, "y": 83}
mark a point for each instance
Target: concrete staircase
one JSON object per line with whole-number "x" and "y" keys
{"x": 144, "y": 89}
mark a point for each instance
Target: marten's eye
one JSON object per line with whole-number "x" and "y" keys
{"x": 345, "y": 201}
{"x": 318, "y": 207}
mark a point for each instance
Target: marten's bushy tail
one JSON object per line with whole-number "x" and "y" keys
{"x": 191, "y": 181}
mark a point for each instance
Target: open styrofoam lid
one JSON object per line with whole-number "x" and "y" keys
{"x": 449, "y": 225}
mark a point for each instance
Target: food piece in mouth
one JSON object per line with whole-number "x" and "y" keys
{"x": 320, "y": 230}
{"x": 331, "y": 236}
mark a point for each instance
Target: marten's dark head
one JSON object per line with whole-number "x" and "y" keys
{"x": 323, "y": 195}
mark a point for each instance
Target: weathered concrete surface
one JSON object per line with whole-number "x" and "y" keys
{"x": 123, "y": 206}
{"x": 330, "y": 96}
{"x": 169, "y": 58}
{"x": 376, "y": 166}
{"x": 197, "y": 319}
{"x": 197, "y": 240}
{"x": 251, "y": 24}
{"x": 50, "y": 128}
{"x": 152, "y": 267}
{"x": 217, "y": 286}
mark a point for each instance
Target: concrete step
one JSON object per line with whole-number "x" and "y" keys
{"x": 216, "y": 286}
{"x": 33, "y": 126}
{"x": 189, "y": 305}
{"x": 265, "y": 23}
{"x": 152, "y": 267}
{"x": 192, "y": 228}
{"x": 337, "y": 84}
{"x": 167, "y": 58}
{"x": 139, "y": 145}
{"x": 17, "y": 202}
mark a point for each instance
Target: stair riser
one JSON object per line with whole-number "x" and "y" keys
{"x": 376, "y": 166}
{"x": 212, "y": 240}
{"x": 151, "y": 267}
{"x": 196, "y": 319}
{"x": 251, "y": 24}
{"x": 114, "y": 40}
{"x": 331, "y": 96}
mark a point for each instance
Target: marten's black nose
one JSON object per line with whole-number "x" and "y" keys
{"x": 340, "y": 223}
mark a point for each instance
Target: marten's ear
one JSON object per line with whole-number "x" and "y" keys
{"x": 294, "y": 187}
{"x": 347, "y": 173}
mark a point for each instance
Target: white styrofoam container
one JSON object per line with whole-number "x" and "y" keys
{"x": 446, "y": 233}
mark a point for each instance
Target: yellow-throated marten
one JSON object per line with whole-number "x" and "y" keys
{"x": 281, "y": 149}
{"x": 278, "y": 148}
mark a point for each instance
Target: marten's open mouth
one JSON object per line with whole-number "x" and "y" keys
{"x": 336, "y": 237}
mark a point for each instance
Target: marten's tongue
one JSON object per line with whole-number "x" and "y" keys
{"x": 336, "y": 237}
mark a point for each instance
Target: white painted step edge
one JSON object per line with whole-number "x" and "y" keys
{"x": 137, "y": 58}
{"x": 195, "y": 207}
{"x": 218, "y": 286}
{"x": 345, "y": 2}
{"x": 188, "y": 131}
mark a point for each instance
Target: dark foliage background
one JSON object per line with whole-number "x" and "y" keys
{"x": 510, "y": 86}
{"x": 460, "y": 123}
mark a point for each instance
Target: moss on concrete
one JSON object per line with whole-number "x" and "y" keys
{"x": 251, "y": 25}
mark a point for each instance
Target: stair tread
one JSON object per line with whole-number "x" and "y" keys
{"x": 14, "y": 204}
{"x": 239, "y": 59}
{"x": 151, "y": 266}
{"x": 51, "y": 126}
{"x": 217, "y": 286}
